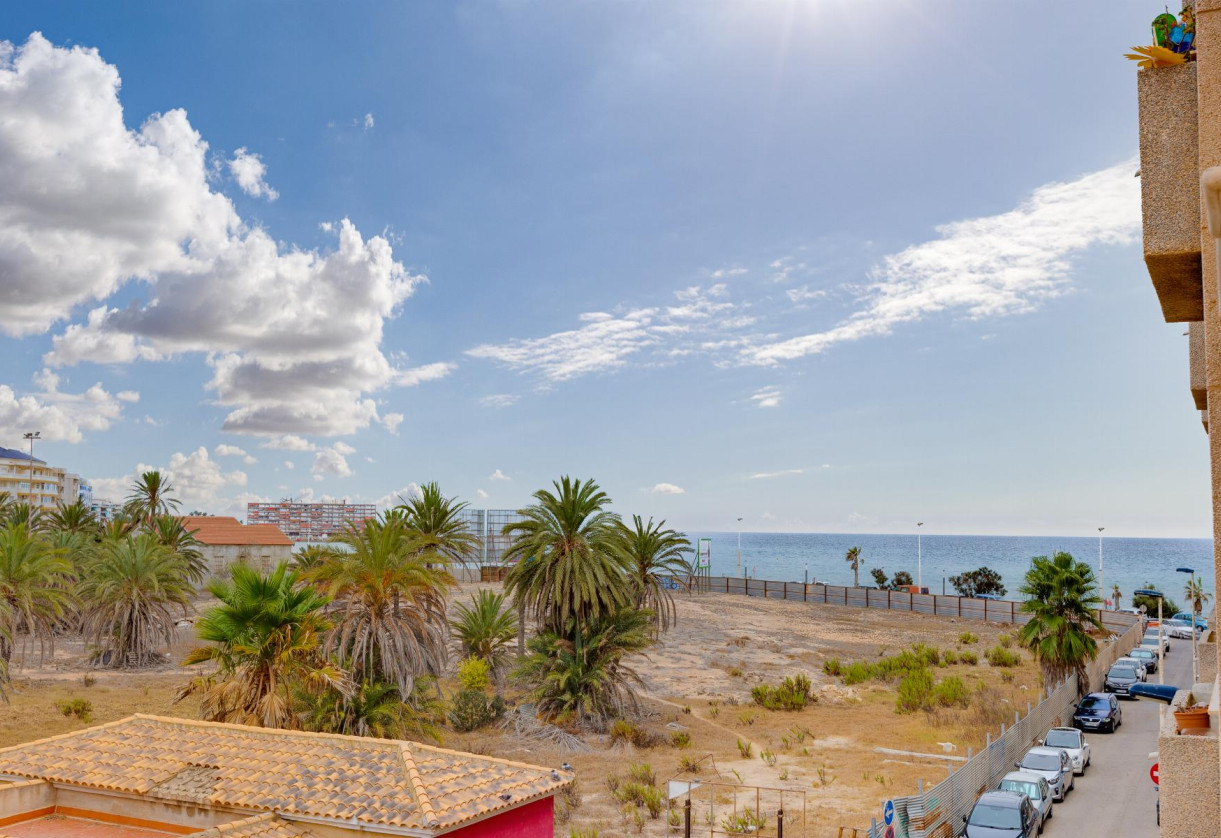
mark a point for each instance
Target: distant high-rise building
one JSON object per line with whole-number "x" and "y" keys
{"x": 105, "y": 510}
{"x": 309, "y": 521}
{"x": 486, "y": 524}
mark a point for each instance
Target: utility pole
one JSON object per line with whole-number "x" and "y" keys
{"x": 1101, "y": 586}
{"x": 31, "y": 436}
{"x": 919, "y": 559}
{"x": 740, "y": 547}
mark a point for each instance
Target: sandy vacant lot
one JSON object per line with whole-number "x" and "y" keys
{"x": 698, "y": 681}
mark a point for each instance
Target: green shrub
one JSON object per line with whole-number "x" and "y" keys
{"x": 745, "y": 749}
{"x": 952, "y": 691}
{"x": 768, "y": 756}
{"x": 968, "y": 658}
{"x": 1005, "y": 641}
{"x": 857, "y": 672}
{"x": 654, "y": 801}
{"x": 680, "y": 739}
{"x": 583, "y": 832}
{"x": 643, "y": 773}
{"x": 832, "y": 667}
{"x": 474, "y": 674}
{"x": 949, "y": 657}
{"x": 688, "y": 764}
{"x": 623, "y": 730}
{"x": 745, "y": 822}
{"x": 80, "y": 707}
{"x": 967, "y": 638}
{"x": 915, "y": 692}
{"x": 791, "y": 694}
{"x": 1000, "y": 656}
{"x": 472, "y": 709}
{"x": 631, "y": 792}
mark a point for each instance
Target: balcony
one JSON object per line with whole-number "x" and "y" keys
{"x": 1170, "y": 192}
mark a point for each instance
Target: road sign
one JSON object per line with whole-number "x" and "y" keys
{"x": 888, "y": 814}
{"x": 1153, "y": 773}
{"x": 889, "y": 833}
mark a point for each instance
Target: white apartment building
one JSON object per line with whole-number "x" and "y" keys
{"x": 32, "y": 481}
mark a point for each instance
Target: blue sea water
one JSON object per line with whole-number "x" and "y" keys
{"x": 1128, "y": 562}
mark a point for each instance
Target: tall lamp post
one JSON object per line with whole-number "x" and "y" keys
{"x": 1150, "y": 592}
{"x": 31, "y": 436}
{"x": 1195, "y": 675}
{"x": 1101, "y": 586}
{"x": 740, "y": 573}
{"x": 919, "y": 559}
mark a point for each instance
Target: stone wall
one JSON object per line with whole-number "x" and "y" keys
{"x": 1188, "y": 767}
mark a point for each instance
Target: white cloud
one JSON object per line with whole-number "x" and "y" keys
{"x": 768, "y": 475}
{"x": 226, "y": 450}
{"x": 368, "y": 121}
{"x": 767, "y": 397}
{"x": 804, "y": 294}
{"x": 667, "y": 489}
{"x": 250, "y": 172}
{"x": 481, "y": 494}
{"x": 729, "y": 273}
{"x": 498, "y": 400}
{"x": 287, "y": 442}
{"x": 130, "y": 396}
{"x": 290, "y": 465}
{"x": 428, "y": 372}
{"x": 58, "y": 416}
{"x": 388, "y": 501}
{"x": 986, "y": 267}
{"x": 198, "y": 481}
{"x": 499, "y": 475}
{"x": 293, "y": 336}
{"x": 332, "y": 462}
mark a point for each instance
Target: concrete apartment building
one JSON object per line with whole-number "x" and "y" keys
{"x": 30, "y": 480}
{"x": 149, "y": 777}
{"x": 1180, "y": 171}
{"x": 225, "y": 541}
{"x": 308, "y": 521}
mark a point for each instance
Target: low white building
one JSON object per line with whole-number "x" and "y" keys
{"x": 224, "y": 541}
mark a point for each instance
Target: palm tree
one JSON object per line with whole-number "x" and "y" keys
{"x": 150, "y": 496}
{"x": 437, "y": 525}
{"x": 265, "y": 641}
{"x": 172, "y": 534}
{"x": 853, "y": 558}
{"x": 130, "y": 591}
{"x": 1062, "y": 597}
{"x": 1116, "y": 595}
{"x": 23, "y": 513}
{"x": 308, "y": 558}
{"x": 389, "y": 612}
{"x": 587, "y": 680}
{"x": 1196, "y": 596}
{"x": 74, "y": 517}
{"x": 484, "y": 630}
{"x": 34, "y": 585}
{"x": 655, "y": 562}
{"x": 374, "y": 708}
{"x": 570, "y": 563}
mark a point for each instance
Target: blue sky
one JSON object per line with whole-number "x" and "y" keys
{"x": 825, "y": 266}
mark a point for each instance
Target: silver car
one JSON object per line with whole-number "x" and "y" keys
{"x": 1034, "y": 787}
{"x": 1053, "y": 765}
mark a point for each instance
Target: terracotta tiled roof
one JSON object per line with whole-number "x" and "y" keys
{"x": 374, "y": 782}
{"x": 260, "y": 826}
{"x": 218, "y": 530}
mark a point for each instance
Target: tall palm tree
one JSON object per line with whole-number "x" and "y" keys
{"x": 35, "y": 581}
{"x": 151, "y": 495}
{"x": 265, "y": 641}
{"x": 853, "y": 558}
{"x": 1062, "y": 597}
{"x": 587, "y": 680}
{"x": 74, "y": 517}
{"x": 130, "y": 592}
{"x": 308, "y": 558}
{"x": 484, "y": 630}
{"x": 1196, "y": 596}
{"x": 656, "y": 560}
{"x": 172, "y": 534}
{"x": 389, "y": 609}
{"x": 437, "y": 526}
{"x": 1116, "y": 595}
{"x": 21, "y": 512}
{"x": 570, "y": 567}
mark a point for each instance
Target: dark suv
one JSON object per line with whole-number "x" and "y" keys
{"x": 1002, "y": 814}
{"x": 1098, "y": 711}
{"x": 1120, "y": 677}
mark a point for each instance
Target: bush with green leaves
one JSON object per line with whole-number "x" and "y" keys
{"x": 472, "y": 709}
{"x": 680, "y": 739}
{"x": 952, "y": 691}
{"x": 968, "y": 658}
{"x": 967, "y": 638}
{"x": 1000, "y": 656}
{"x": 832, "y": 667}
{"x": 915, "y": 692}
{"x": 475, "y": 674}
{"x": 793, "y": 693}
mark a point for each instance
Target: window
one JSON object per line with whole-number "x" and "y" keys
{"x": 996, "y": 817}
{"x": 1042, "y": 762}
{"x": 1063, "y": 739}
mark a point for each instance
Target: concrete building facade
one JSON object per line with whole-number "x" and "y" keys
{"x": 309, "y": 521}
{"x": 225, "y": 541}
{"x": 1180, "y": 171}
{"x": 30, "y": 480}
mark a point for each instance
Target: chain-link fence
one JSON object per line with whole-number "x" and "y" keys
{"x": 938, "y": 812}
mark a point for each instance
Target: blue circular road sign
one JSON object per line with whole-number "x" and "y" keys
{"x": 888, "y": 814}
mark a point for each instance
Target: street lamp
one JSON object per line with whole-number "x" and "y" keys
{"x": 1195, "y": 676}
{"x": 1150, "y": 592}
{"x": 31, "y": 436}
{"x": 919, "y": 559}
{"x": 740, "y": 549}
{"x": 1101, "y": 586}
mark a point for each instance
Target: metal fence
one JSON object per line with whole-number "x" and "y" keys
{"x": 999, "y": 611}
{"x": 938, "y": 812}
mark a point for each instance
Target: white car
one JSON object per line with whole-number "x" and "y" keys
{"x": 1138, "y": 665}
{"x": 1071, "y": 740}
{"x": 1053, "y": 765}
{"x": 1151, "y": 637}
{"x": 1180, "y": 629}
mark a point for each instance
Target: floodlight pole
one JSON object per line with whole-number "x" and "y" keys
{"x": 740, "y": 548}
{"x": 919, "y": 560}
{"x": 29, "y": 519}
{"x": 1191, "y": 585}
{"x": 1101, "y": 586}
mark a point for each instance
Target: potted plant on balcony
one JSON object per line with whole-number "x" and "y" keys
{"x": 1191, "y": 715}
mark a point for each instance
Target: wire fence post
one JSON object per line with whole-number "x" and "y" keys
{"x": 687, "y": 817}
{"x": 780, "y": 822}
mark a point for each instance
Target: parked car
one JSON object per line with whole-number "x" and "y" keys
{"x": 1035, "y": 788}
{"x": 1119, "y": 678}
{"x": 1180, "y": 629}
{"x": 1053, "y": 765}
{"x": 1139, "y": 666}
{"x": 1098, "y": 711}
{"x": 1002, "y": 814}
{"x": 1146, "y": 656}
{"x": 1072, "y": 740}
{"x": 1201, "y": 623}
{"x": 1153, "y": 637}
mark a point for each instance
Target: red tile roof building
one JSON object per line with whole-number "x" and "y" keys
{"x": 226, "y": 540}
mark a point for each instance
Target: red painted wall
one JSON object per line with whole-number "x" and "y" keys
{"x": 534, "y": 820}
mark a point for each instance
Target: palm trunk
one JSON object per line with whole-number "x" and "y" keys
{"x": 521, "y": 628}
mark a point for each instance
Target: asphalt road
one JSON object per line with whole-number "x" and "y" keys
{"x": 1115, "y": 798}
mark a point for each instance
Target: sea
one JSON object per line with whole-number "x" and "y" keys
{"x": 1130, "y": 563}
